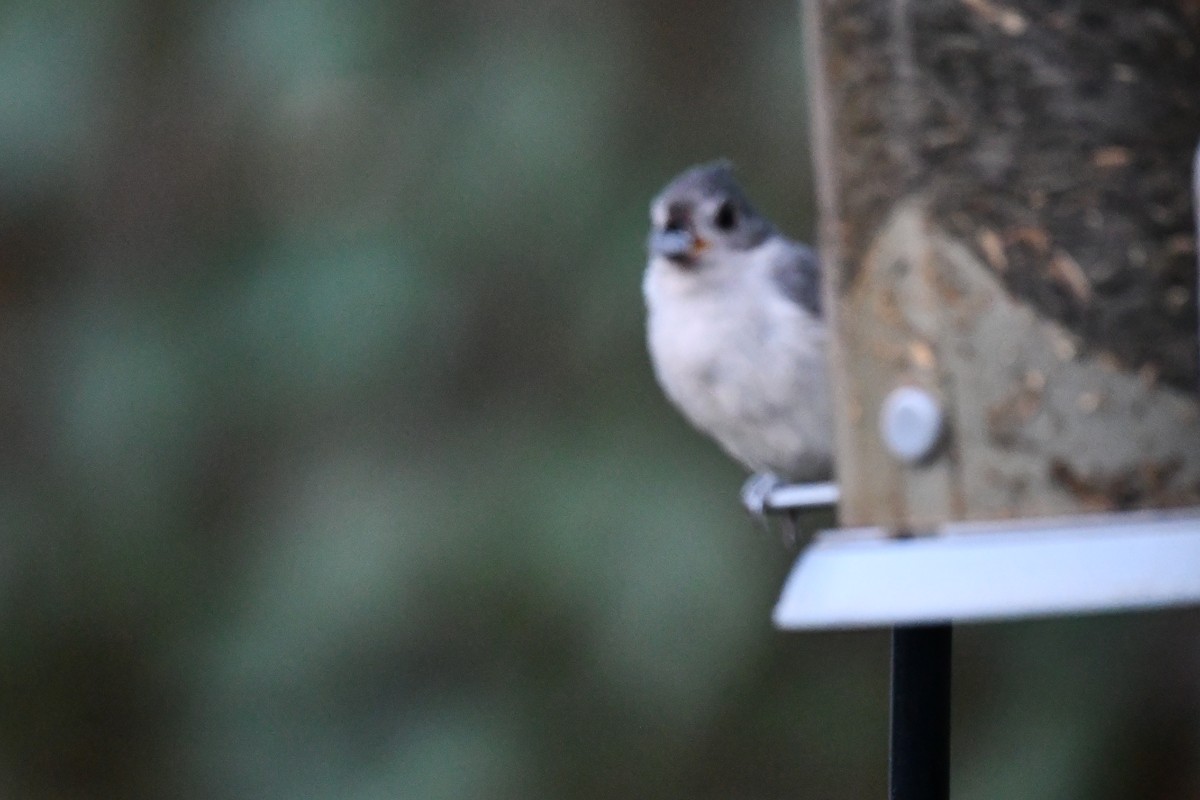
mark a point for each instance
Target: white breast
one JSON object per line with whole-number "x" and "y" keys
{"x": 744, "y": 363}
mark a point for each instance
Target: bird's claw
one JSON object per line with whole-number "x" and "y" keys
{"x": 756, "y": 490}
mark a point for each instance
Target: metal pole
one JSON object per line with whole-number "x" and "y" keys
{"x": 919, "y": 764}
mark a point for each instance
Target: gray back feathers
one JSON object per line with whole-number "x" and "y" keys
{"x": 798, "y": 276}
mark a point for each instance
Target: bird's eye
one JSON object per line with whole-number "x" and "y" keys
{"x": 726, "y": 217}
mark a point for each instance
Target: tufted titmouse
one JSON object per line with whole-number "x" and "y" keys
{"x": 736, "y": 331}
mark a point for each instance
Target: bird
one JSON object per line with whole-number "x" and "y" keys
{"x": 736, "y": 332}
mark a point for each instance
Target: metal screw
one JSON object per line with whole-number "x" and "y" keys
{"x": 911, "y": 423}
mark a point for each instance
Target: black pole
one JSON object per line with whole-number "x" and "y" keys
{"x": 919, "y": 766}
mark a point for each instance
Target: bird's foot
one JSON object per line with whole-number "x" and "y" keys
{"x": 756, "y": 490}
{"x": 755, "y": 493}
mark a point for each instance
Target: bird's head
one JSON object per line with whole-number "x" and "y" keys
{"x": 702, "y": 216}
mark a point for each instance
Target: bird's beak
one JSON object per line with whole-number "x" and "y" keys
{"x": 680, "y": 246}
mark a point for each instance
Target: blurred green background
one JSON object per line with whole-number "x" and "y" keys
{"x": 332, "y": 463}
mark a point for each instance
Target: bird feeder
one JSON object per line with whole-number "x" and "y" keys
{"x": 1008, "y": 232}
{"x": 1008, "y": 237}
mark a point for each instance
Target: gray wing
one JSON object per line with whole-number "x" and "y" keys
{"x": 798, "y": 276}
